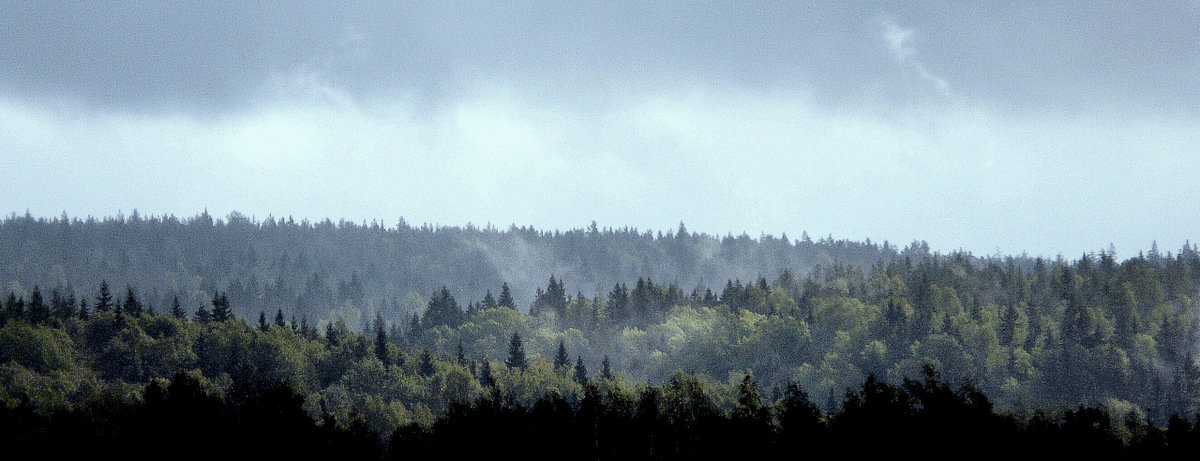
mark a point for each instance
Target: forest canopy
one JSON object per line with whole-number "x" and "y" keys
{"x": 111, "y": 310}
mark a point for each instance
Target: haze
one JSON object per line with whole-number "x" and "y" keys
{"x": 990, "y": 127}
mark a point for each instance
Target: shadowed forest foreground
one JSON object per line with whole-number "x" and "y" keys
{"x": 609, "y": 420}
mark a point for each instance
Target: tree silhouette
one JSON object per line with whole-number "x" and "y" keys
{"x": 516, "y": 353}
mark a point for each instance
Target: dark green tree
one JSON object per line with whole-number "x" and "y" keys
{"x": 460, "y": 355}
{"x": 426, "y": 367}
{"x": 381, "y": 344}
{"x": 132, "y": 305}
{"x": 561, "y": 359}
{"x": 176, "y": 309}
{"x": 488, "y": 302}
{"x": 442, "y": 310}
{"x": 262, "y": 322}
{"x": 104, "y": 299}
{"x": 279, "y": 321}
{"x": 580, "y": 371}
{"x": 506, "y": 298}
{"x": 606, "y": 369}
{"x": 516, "y": 353}
{"x": 203, "y": 316}
{"x": 221, "y": 310}
{"x": 485, "y": 375}
{"x": 39, "y": 312}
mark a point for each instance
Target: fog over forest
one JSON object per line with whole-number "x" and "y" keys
{"x": 625, "y": 230}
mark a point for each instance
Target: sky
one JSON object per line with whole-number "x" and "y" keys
{"x": 992, "y": 127}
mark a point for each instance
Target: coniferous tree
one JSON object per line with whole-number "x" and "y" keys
{"x": 203, "y": 316}
{"x": 262, "y": 322}
{"x": 60, "y": 307}
{"x": 561, "y": 359}
{"x": 506, "y": 298}
{"x": 618, "y": 303}
{"x": 488, "y": 301}
{"x": 485, "y": 375}
{"x": 414, "y": 329}
{"x": 39, "y": 312}
{"x": 516, "y": 353}
{"x": 580, "y": 371}
{"x": 442, "y": 310}
{"x": 16, "y": 309}
{"x": 333, "y": 336}
{"x": 131, "y": 306}
{"x": 606, "y": 369}
{"x": 104, "y": 299}
{"x": 84, "y": 314}
{"x": 176, "y": 309}
{"x": 279, "y": 321}
{"x": 221, "y": 310}
{"x": 381, "y": 344}
{"x": 460, "y": 356}
{"x": 426, "y": 367}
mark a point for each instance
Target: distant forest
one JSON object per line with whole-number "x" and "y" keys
{"x": 325, "y": 270}
{"x": 367, "y": 330}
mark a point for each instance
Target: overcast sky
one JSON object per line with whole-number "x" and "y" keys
{"x": 991, "y": 127}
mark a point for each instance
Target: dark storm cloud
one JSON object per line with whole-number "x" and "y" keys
{"x": 185, "y": 55}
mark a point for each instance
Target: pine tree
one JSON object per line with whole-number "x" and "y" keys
{"x": 381, "y": 344}
{"x": 516, "y": 353}
{"x": 132, "y": 306}
{"x": 506, "y": 298}
{"x": 177, "y": 310}
{"x": 104, "y": 299}
{"x": 38, "y": 311}
{"x": 426, "y": 367}
{"x": 262, "y": 322}
{"x": 580, "y": 371}
{"x": 561, "y": 359}
{"x": 203, "y": 316}
{"x": 221, "y": 311}
{"x": 83, "y": 309}
{"x": 485, "y": 375}
{"x": 459, "y": 355}
{"x": 61, "y": 307}
{"x": 606, "y": 369}
{"x": 488, "y": 301}
{"x": 279, "y": 322}
{"x": 333, "y": 336}
{"x": 442, "y": 310}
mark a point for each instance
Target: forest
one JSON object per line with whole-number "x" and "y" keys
{"x": 107, "y": 325}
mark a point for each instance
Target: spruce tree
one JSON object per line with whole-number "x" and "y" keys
{"x": 38, "y": 311}
{"x": 606, "y": 370}
{"x": 488, "y": 302}
{"x": 104, "y": 299}
{"x": 132, "y": 306}
{"x": 203, "y": 316}
{"x": 426, "y": 367}
{"x": 83, "y": 309}
{"x": 221, "y": 311}
{"x": 516, "y": 353}
{"x": 506, "y": 298}
{"x": 485, "y": 375}
{"x": 580, "y": 371}
{"x": 561, "y": 359}
{"x": 279, "y": 322}
{"x": 460, "y": 355}
{"x": 262, "y": 322}
{"x": 177, "y": 310}
{"x": 381, "y": 344}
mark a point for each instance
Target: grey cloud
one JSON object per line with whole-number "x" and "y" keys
{"x": 196, "y": 56}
